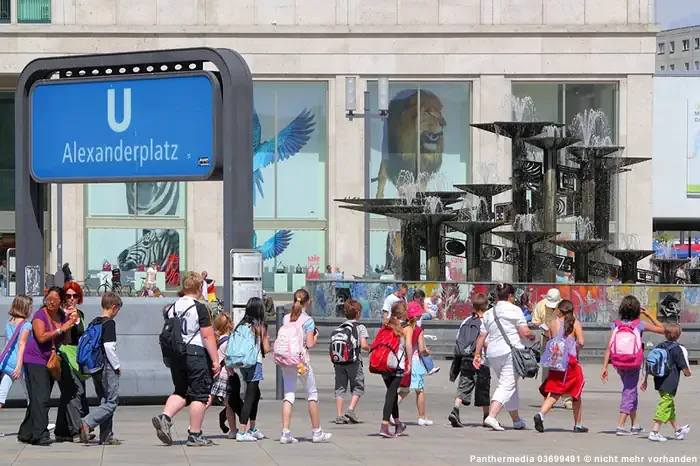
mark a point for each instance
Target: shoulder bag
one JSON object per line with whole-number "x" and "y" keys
{"x": 11, "y": 343}
{"x": 53, "y": 365}
{"x": 524, "y": 360}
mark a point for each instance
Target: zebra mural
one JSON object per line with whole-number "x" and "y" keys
{"x": 157, "y": 246}
{"x": 153, "y": 198}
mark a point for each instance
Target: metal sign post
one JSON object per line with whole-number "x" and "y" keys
{"x": 130, "y": 117}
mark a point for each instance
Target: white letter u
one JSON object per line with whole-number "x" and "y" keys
{"x": 111, "y": 118}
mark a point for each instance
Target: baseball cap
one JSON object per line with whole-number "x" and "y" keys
{"x": 553, "y": 298}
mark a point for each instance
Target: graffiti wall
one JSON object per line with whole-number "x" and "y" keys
{"x": 593, "y": 303}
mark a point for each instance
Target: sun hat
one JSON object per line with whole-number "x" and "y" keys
{"x": 415, "y": 310}
{"x": 553, "y": 298}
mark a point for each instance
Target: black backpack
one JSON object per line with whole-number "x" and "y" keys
{"x": 345, "y": 344}
{"x": 467, "y": 336}
{"x": 171, "y": 344}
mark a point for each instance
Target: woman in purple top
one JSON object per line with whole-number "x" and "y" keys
{"x": 48, "y": 328}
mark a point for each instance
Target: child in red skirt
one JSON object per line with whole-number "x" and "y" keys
{"x": 571, "y": 381}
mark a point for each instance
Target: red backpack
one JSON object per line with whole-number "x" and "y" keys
{"x": 387, "y": 352}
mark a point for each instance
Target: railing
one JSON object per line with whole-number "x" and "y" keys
{"x": 33, "y": 11}
{"x": 5, "y": 9}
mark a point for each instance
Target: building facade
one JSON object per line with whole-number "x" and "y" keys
{"x": 678, "y": 50}
{"x": 450, "y": 63}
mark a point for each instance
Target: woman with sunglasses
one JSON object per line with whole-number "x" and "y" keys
{"x": 73, "y": 404}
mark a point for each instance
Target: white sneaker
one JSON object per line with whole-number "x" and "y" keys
{"x": 257, "y": 434}
{"x": 51, "y": 427}
{"x": 435, "y": 370}
{"x": 519, "y": 425}
{"x": 245, "y": 437}
{"x": 657, "y": 437}
{"x": 493, "y": 423}
{"x": 680, "y": 435}
{"x": 287, "y": 439}
{"x": 321, "y": 437}
{"x": 425, "y": 422}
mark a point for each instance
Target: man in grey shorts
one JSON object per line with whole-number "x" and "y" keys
{"x": 347, "y": 342}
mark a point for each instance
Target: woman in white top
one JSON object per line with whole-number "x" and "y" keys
{"x": 498, "y": 353}
{"x": 433, "y": 306}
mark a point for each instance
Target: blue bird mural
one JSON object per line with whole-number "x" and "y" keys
{"x": 289, "y": 141}
{"x": 275, "y": 245}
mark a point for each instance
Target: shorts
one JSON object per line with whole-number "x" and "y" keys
{"x": 417, "y": 383}
{"x": 221, "y": 388}
{"x": 476, "y": 381}
{"x": 192, "y": 377}
{"x": 252, "y": 374}
{"x": 351, "y": 374}
{"x": 665, "y": 408}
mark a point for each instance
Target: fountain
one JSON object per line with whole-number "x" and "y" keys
{"x": 582, "y": 245}
{"x": 667, "y": 264}
{"x": 629, "y": 254}
{"x": 525, "y": 234}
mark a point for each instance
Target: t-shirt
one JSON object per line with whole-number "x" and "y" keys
{"x": 221, "y": 355}
{"x": 151, "y": 274}
{"x": 109, "y": 329}
{"x": 511, "y": 318}
{"x": 193, "y": 317}
{"x": 361, "y": 331}
{"x": 389, "y": 302}
{"x": 39, "y": 353}
{"x": 543, "y": 314}
{"x": 677, "y": 362}
{"x": 204, "y": 289}
{"x": 9, "y": 363}
{"x": 433, "y": 307}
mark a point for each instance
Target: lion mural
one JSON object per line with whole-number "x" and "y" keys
{"x": 401, "y": 136}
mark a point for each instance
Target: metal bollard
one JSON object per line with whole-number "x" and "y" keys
{"x": 279, "y": 381}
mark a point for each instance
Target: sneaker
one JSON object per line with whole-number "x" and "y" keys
{"x": 435, "y": 370}
{"x": 493, "y": 423}
{"x": 657, "y": 437}
{"x": 568, "y": 404}
{"x": 637, "y": 429}
{"x": 425, "y": 422}
{"x": 222, "y": 421}
{"x": 257, "y": 434}
{"x": 320, "y": 436}
{"x": 352, "y": 417}
{"x": 84, "y": 432}
{"x": 539, "y": 422}
{"x": 162, "y": 425}
{"x": 231, "y": 435}
{"x": 341, "y": 420}
{"x": 287, "y": 438}
{"x": 454, "y": 419}
{"x": 580, "y": 429}
{"x": 519, "y": 425}
{"x": 385, "y": 432}
{"x": 198, "y": 440}
{"x": 400, "y": 428}
{"x": 245, "y": 437}
{"x": 681, "y": 433}
{"x": 111, "y": 441}
{"x": 621, "y": 431}
{"x": 51, "y": 427}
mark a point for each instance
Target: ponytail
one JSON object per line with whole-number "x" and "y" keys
{"x": 301, "y": 298}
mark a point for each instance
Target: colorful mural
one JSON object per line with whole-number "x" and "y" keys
{"x": 593, "y": 303}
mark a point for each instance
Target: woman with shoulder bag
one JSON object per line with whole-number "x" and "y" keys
{"x": 499, "y": 353}
{"x": 42, "y": 365}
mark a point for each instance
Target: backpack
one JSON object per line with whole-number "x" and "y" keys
{"x": 387, "y": 353}
{"x": 556, "y": 353}
{"x": 626, "y": 349}
{"x": 658, "y": 360}
{"x": 242, "y": 349}
{"x": 90, "y": 355}
{"x": 467, "y": 336}
{"x": 289, "y": 347}
{"x": 171, "y": 344}
{"x": 345, "y": 344}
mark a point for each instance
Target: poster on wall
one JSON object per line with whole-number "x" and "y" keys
{"x": 158, "y": 198}
{"x": 693, "y": 168}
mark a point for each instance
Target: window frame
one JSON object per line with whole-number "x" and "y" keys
{"x": 661, "y": 48}
{"x": 686, "y": 45}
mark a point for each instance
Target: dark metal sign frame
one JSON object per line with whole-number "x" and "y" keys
{"x": 234, "y": 143}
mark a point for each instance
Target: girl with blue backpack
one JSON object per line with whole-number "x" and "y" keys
{"x": 246, "y": 349}
{"x": 565, "y": 376}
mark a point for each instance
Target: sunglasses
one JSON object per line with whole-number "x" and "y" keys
{"x": 71, "y": 296}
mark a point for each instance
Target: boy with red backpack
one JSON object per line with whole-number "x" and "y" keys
{"x": 347, "y": 342}
{"x": 625, "y": 352}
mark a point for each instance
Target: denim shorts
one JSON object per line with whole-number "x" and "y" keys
{"x": 252, "y": 374}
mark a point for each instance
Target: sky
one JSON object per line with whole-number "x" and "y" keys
{"x": 671, "y": 14}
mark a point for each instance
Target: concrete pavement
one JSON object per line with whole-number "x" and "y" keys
{"x": 358, "y": 444}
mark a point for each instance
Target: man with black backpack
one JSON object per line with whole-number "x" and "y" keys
{"x": 347, "y": 341}
{"x": 470, "y": 379}
{"x": 189, "y": 348}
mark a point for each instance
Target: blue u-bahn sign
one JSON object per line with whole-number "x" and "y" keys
{"x": 150, "y": 127}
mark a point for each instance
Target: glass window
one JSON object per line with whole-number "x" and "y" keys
{"x": 160, "y": 198}
{"x": 697, "y": 65}
{"x": 672, "y": 66}
{"x": 662, "y": 47}
{"x": 7, "y": 151}
{"x": 671, "y": 47}
{"x": 687, "y": 66}
{"x": 686, "y": 45}
{"x": 697, "y": 43}
{"x": 33, "y": 11}
{"x": 663, "y": 67}
{"x": 289, "y": 256}
{"x": 441, "y": 131}
{"x": 290, "y": 141}
{"x": 132, "y": 251}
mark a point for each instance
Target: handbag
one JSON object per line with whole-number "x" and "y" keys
{"x": 524, "y": 360}
{"x": 53, "y": 365}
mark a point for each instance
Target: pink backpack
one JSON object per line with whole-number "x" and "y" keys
{"x": 289, "y": 347}
{"x": 626, "y": 348}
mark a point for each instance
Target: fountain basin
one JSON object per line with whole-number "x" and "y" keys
{"x": 484, "y": 190}
{"x": 526, "y": 237}
{"x": 472, "y": 227}
{"x": 515, "y": 129}
{"x": 587, "y": 153}
{"x": 629, "y": 255}
{"x": 554, "y": 143}
{"x": 585, "y": 246}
